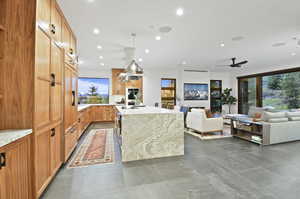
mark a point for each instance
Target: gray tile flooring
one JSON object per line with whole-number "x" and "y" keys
{"x": 225, "y": 168}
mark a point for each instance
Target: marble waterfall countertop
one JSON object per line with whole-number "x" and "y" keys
{"x": 146, "y": 110}
{"x": 150, "y": 132}
{"x": 81, "y": 107}
{"x": 9, "y": 136}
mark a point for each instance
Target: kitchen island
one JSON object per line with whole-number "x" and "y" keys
{"x": 149, "y": 132}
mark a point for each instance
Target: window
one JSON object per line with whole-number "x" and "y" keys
{"x": 93, "y": 90}
{"x": 279, "y": 90}
{"x": 168, "y": 93}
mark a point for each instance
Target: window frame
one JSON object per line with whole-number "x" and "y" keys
{"x": 259, "y": 79}
{"x": 96, "y": 78}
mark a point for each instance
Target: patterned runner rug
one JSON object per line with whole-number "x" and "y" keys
{"x": 96, "y": 148}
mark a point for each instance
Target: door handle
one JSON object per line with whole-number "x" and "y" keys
{"x": 52, "y": 79}
{"x": 53, "y": 132}
{"x": 2, "y": 160}
{"x": 53, "y": 28}
{"x": 73, "y": 98}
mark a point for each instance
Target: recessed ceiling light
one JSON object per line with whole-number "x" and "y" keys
{"x": 147, "y": 51}
{"x": 99, "y": 47}
{"x": 80, "y": 62}
{"x": 179, "y": 12}
{"x": 96, "y": 31}
{"x": 293, "y": 54}
{"x": 222, "y": 44}
{"x": 183, "y": 62}
{"x": 102, "y": 64}
{"x": 158, "y": 38}
{"x": 90, "y": 1}
{"x": 100, "y": 57}
{"x": 140, "y": 59}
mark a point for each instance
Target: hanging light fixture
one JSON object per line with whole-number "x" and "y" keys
{"x": 133, "y": 71}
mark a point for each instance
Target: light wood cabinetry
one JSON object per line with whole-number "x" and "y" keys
{"x": 32, "y": 92}
{"x": 15, "y": 171}
{"x": 71, "y": 137}
{"x": 118, "y": 87}
{"x": 103, "y": 113}
{"x": 44, "y": 14}
{"x": 56, "y": 22}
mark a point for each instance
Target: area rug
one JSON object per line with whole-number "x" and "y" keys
{"x": 96, "y": 148}
{"x": 211, "y": 136}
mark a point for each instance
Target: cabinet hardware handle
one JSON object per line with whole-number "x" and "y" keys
{"x": 71, "y": 51}
{"x": 73, "y": 98}
{"x": 2, "y": 160}
{"x": 53, "y": 132}
{"x": 52, "y": 79}
{"x": 53, "y": 28}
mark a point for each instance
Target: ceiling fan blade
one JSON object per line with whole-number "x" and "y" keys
{"x": 243, "y": 62}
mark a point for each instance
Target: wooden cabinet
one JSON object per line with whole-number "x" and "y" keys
{"x": 42, "y": 159}
{"x": 42, "y": 84}
{"x": 56, "y": 101}
{"x": 103, "y": 113}
{"x": 66, "y": 37}
{"x": 15, "y": 181}
{"x": 56, "y": 146}
{"x": 71, "y": 137}
{"x": 48, "y": 155}
{"x": 44, "y": 14}
{"x": 71, "y": 112}
{"x": 56, "y": 22}
{"x": 118, "y": 87}
{"x": 73, "y": 48}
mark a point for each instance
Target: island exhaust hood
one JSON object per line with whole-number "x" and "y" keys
{"x": 133, "y": 71}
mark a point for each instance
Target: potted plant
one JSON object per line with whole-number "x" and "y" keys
{"x": 228, "y": 99}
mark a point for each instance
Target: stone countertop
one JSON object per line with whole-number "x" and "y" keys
{"x": 11, "y": 135}
{"x": 81, "y": 107}
{"x": 146, "y": 110}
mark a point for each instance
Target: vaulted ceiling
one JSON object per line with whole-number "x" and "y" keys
{"x": 264, "y": 32}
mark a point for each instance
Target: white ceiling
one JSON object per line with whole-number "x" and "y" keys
{"x": 196, "y": 36}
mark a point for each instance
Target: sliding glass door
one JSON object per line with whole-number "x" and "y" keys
{"x": 278, "y": 90}
{"x": 247, "y": 94}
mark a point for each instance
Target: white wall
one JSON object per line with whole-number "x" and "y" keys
{"x": 152, "y": 82}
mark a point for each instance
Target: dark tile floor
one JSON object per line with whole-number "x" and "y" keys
{"x": 225, "y": 168}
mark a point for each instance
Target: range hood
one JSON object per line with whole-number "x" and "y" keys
{"x": 133, "y": 71}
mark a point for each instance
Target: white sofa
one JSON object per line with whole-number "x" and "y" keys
{"x": 197, "y": 120}
{"x": 281, "y": 127}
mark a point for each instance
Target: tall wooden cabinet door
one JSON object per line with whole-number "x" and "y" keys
{"x": 66, "y": 37}
{"x": 118, "y": 87}
{"x": 56, "y": 22}
{"x": 42, "y": 159}
{"x": 56, "y": 85}
{"x": 16, "y": 172}
{"x": 2, "y": 184}
{"x": 74, "y": 97}
{"x": 44, "y": 14}
{"x": 68, "y": 97}
{"x": 73, "y": 48}
{"x": 42, "y": 83}
{"x": 56, "y": 159}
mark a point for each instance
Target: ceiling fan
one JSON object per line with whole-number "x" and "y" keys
{"x": 234, "y": 64}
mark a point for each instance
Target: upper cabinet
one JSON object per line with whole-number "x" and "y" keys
{"x": 118, "y": 87}
{"x": 44, "y": 14}
{"x": 66, "y": 37}
{"x": 56, "y": 22}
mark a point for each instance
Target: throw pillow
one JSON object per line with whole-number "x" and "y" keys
{"x": 208, "y": 113}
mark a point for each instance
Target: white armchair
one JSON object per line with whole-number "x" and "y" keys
{"x": 197, "y": 120}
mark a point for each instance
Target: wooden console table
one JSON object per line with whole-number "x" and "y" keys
{"x": 246, "y": 129}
